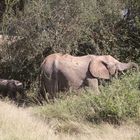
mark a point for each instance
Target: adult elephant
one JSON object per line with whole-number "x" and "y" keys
{"x": 10, "y": 88}
{"x": 61, "y": 72}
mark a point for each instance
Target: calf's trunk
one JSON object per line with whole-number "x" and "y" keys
{"x": 125, "y": 66}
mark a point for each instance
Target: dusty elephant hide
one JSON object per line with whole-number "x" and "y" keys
{"x": 10, "y": 88}
{"x": 63, "y": 72}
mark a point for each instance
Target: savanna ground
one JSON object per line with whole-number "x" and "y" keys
{"x": 112, "y": 115}
{"x": 20, "y": 124}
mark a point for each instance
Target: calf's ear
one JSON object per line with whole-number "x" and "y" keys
{"x": 98, "y": 69}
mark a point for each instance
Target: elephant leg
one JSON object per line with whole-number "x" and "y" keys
{"x": 52, "y": 89}
{"x": 21, "y": 92}
{"x": 12, "y": 95}
{"x": 3, "y": 94}
{"x": 93, "y": 83}
{"x": 12, "y": 91}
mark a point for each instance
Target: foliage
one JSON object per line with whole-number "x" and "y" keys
{"x": 77, "y": 27}
{"x": 116, "y": 103}
{"x": 30, "y": 127}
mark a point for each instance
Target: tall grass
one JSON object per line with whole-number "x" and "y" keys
{"x": 20, "y": 124}
{"x": 117, "y": 102}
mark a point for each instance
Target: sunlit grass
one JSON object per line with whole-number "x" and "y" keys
{"x": 116, "y": 103}
{"x": 20, "y": 124}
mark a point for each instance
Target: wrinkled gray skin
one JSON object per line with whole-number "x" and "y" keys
{"x": 62, "y": 72}
{"x": 10, "y": 88}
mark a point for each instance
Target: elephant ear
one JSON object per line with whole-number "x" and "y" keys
{"x": 99, "y": 69}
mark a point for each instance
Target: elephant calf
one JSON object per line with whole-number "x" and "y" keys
{"x": 10, "y": 88}
{"x": 63, "y": 72}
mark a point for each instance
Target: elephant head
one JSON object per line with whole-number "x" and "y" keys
{"x": 19, "y": 86}
{"x": 10, "y": 88}
{"x": 106, "y": 66}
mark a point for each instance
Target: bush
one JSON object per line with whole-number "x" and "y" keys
{"x": 117, "y": 102}
{"x": 75, "y": 27}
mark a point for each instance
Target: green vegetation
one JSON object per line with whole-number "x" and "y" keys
{"x": 27, "y": 127}
{"x": 76, "y": 115}
{"x": 77, "y": 27}
{"x": 117, "y": 103}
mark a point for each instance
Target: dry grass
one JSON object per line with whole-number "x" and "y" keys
{"x": 15, "y": 123}
{"x": 19, "y": 124}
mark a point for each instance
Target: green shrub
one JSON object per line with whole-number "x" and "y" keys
{"x": 117, "y": 102}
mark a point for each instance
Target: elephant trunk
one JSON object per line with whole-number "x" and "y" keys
{"x": 134, "y": 65}
{"x": 125, "y": 66}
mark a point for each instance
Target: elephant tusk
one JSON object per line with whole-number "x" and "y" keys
{"x": 19, "y": 84}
